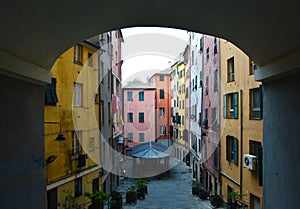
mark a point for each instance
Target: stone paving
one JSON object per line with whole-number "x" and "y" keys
{"x": 174, "y": 192}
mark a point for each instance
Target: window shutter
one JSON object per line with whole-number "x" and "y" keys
{"x": 261, "y": 102}
{"x": 48, "y": 95}
{"x": 228, "y": 148}
{"x": 225, "y": 107}
{"x": 235, "y": 151}
{"x": 53, "y": 91}
{"x": 235, "y": 104}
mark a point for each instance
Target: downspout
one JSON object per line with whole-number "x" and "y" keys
{"x": 241, "y": 137}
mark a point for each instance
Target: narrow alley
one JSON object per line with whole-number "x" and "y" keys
{"x": 172, "y": 193}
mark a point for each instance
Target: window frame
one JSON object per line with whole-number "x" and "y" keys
{"x": 258, "y": 109}
{"x": 78, "y": 54}
{"x": 141, "y": 117}
{"x": 78, "y": 95}
{"x": 141, "y": 96}
{"x": 232, "y": 149}
{"x": 231, "y": 105}
{"x": 130, "y": 117}
{"x": 230, "y": 70}
{"x": 141, "y": 137}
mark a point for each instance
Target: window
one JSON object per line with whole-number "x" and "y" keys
{"x": 206, "y": 85}
{"x": 130, "y": 117}
{"x": 161, "y": 94}
{"x": 109, "y": 112}
{"x": 76, "y": 140}
{"x": 129, "y": 96}
{"x": 162, "y": 130}
{"x": 207, "y": 54}
{"x": 52, "y": 198}
{"x": 254, "y": 147}
{"x": 50, "y": 93}
{"x": 95, "y": 185}
{"x": 182, "y": 120}
{"x": 161, "y": 78}
{"x": 230, "y": 69}
{"x": 230, "y": 109}
{"x": 141, "y": 117}
{"x": 78, "y": 187}
{"x": 162, "y": 112}
{"x": 201, "y": 44}
{"x": 91, "y": 144}
{"x": 215, "y": 46}
{"x": 141, "y": 96}
{"x": 78, "y": 94}
{"x": 232, "y": 149}
{"x": 216, "y": 158}
{"x": 90, "y": 59}
{"x": 192, "y": 57}
{"x": 130, "y": 137}
{"x": 141, "y": 137}
{"x": 214, "y": 117}
{"x": 256, "y": 103}
{"x": 78, "y": 54}
{"x": 216, "y": 80}
{"x": 252, "y": 66}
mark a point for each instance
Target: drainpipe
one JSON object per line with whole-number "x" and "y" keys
{"x": 241, "y": 137}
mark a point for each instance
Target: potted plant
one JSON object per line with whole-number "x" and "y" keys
{"x": 216, "y": 200}
{"x": 142, "y": 187}
{"x": 203, "y": 194}
{"x": 131, "y": 195}
{"x": 116, "y": 200}
{"x": 233, "y": 198}
{"x": 97, "y": 199}
{"x": 195, "y": 187}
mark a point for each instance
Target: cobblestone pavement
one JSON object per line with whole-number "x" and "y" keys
{"x": 174, "y": 192}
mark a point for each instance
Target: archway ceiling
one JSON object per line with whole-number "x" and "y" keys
{"x": 39, "y": 31}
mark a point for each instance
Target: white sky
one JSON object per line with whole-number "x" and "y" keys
{"x": 149, "y": 49}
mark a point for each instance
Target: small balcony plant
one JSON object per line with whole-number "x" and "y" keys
{"x": 97, "y": 199}
{"x": 116, "y": 200}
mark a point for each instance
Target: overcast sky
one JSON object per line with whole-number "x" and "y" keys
{"x": 149, "y": 49}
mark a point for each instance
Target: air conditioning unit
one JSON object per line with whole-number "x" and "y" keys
{"x": 250, "y": 161}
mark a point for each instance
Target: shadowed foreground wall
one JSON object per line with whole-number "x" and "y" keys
{"x": 281, "y": 141}
{"x": 22, "y": 172}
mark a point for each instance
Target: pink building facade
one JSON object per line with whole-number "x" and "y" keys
{"x": 139, "y": 113}
{"x": 210, "y": 114}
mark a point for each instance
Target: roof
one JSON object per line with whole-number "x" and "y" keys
{"x": 149, "y": 150}
{"x": 137, "y": 84}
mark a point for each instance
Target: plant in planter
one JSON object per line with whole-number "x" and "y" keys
{"x": 116, "y": 200}
{"x": 195, "y": 187}
{"x": 131, "y": 195}
{"x": 203, "y": 194}
{"x": 216, "y": 200}
{"x": 142, "y": 188}
{"x": 233, "y": 198}
{"x": 97, "y": 198}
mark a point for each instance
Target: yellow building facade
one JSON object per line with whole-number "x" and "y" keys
{"x": 72, "y": 152}
{"x": 240, "y": 127}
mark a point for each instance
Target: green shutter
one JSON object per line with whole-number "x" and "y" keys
{"x": 48, "y": 95}
{"x": 225, "y": 107}
{"x": 235, "y": 104}
{"x": 261, "y": 101}
{"x": 216, "y": 158}
{"x": 235, "y": 151}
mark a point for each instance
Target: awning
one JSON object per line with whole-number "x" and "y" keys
{"x": 149, "y": 150}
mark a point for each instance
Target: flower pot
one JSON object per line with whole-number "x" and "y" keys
{"x": 195, "y": 191}
{"x": 203, "y": 194}
{"x": 94, "y": 206}
{"x": 116, "y": 203}
{"x": 141, "y": 194}
{"x": 216, "y": 201}
{"x": 131, "y": 197}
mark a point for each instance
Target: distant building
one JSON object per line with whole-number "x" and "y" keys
{"x": 241, "y": 127}
{"x": 179, "y": 100}
{"x": 196, "y": 55}
{"x": 210, "y": 114}
{"x": 162, "y": 82}
{"x": 139, "y": 112}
